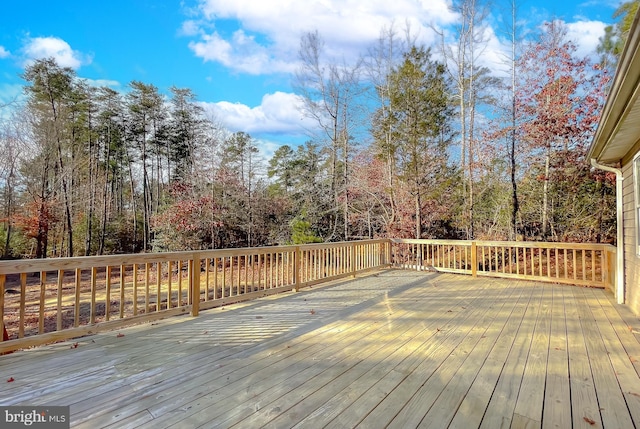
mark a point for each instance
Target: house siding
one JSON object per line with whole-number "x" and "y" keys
{"x": 632, "y": 261}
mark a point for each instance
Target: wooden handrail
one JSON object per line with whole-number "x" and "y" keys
{"x": 60, "y": 298}
{"x": 586, "y": 264}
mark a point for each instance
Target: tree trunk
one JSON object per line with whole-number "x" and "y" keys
{"x": 512, "y": 153}
{"x": 418, "y": 216}
{"x": 545, "y": 194}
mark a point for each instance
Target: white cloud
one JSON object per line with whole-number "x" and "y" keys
{"x": 241, "y": 53}
{"x": 3, "y": 52}
{"x": 269, "y": 31}
{"x": 277, "y": 114}
{"x": 102, "y": 82}
{"x": 586, "y": 35}
{"x": 189, "y": 28}
{"x": 44, "y": 47}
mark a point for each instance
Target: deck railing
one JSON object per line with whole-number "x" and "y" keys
{"x": 49, "y": 300}
{"x": 572, "y": 263}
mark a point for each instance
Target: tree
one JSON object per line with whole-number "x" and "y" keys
{"x": 382, "y": 58}
{"x": 560, "y": 100}
{"x": 185, "y": 134}
{"x": 474, "y": 86}
{"x": 420, "y": 115}
{"x": 112, "y": 154}
{"x": 330, "y": 91}
{"x": 146, "y": 112}
{"x": 49, "y": 90}
{"x": 239, "y": 160}
{"x": 615, "y": 36}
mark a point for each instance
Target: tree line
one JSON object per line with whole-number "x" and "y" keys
{"x": 411, "y": 141}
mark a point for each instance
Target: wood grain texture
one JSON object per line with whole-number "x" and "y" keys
{"x": 395, "y": 349}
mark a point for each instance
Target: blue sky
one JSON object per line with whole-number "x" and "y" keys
{"x": 238, "y": 56}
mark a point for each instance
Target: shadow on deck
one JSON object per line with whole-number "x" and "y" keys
{"x": 395, "y": 349}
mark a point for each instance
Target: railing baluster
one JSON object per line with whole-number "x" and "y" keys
{"x": 76, "y": 309}
{"x": 214, "y": 261}
{"x": 3, "y": 281}
{"x": 169, "y": 276}
{"x": 245, "y": 271}
{"x": 94, "y": 283}
{"x": 59, "y": 303}
{"x": 147, "y": 286}
{"x": 43, "y": 281}
{"x": 122, "y": 290}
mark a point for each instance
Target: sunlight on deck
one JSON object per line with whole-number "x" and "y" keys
{"x": 395, "y": 349}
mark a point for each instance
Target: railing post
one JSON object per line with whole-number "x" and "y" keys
{"x": 5, "y": 334}
{"x": 296, "y": 268}
{"x": 195, "y": 284}
{"x": 474, "y": 259}
{"x": 353, "y": 260}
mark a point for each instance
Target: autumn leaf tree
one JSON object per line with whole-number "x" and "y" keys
{"x": 559, "y": 99}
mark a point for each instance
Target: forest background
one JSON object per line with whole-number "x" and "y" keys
{"x": 408, "y": 141}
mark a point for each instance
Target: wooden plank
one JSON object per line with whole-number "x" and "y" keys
{"x": 410, "y": 400}
{"x": 59, "y": 302}
{"x": 472, "y": 408}
{"x": 184, "y": 388}
{"x": 611, "y": 401}
{"x": 531, "y": 394}
{"x": 433, "y": 382}
{"x": 499, "y": 411}
{"x": 584, "y": 400}
{"x": 626, "y": 325}
{"x": 344, "y": 408}
{"x": 626, "y": 374}
{"x": 122, "y": 290}
{"x": 3, "y": 281}
{"x": 231, "y": 367}
{"x": 147, "y": 287}
{"x": 447, "y": 405}
{"x": 43, "y": 282}
{"x": 280, "y": 406}
{"x": 557, "y": 396}
{"x": 76, "y": 307}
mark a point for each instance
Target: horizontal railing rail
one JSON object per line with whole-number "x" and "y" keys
{"x": 48, "y": 300}
{"x": 586, "y": 264}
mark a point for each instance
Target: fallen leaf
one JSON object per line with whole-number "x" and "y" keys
{"x": 74, "y": 346}
{"x": 11, "y": 380}
{"x": 590, "y": 421}
{"x": 313, "y": 311}
{"x": 120, "y": 335}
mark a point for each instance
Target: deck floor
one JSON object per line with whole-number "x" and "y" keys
{"x": 397, "y": 349}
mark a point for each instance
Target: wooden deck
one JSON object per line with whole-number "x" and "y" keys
{"x": 397, "y": 349}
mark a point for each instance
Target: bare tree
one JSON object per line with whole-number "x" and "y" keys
{"x": 330, "y": 91}
{"x": 470, "y": 79}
